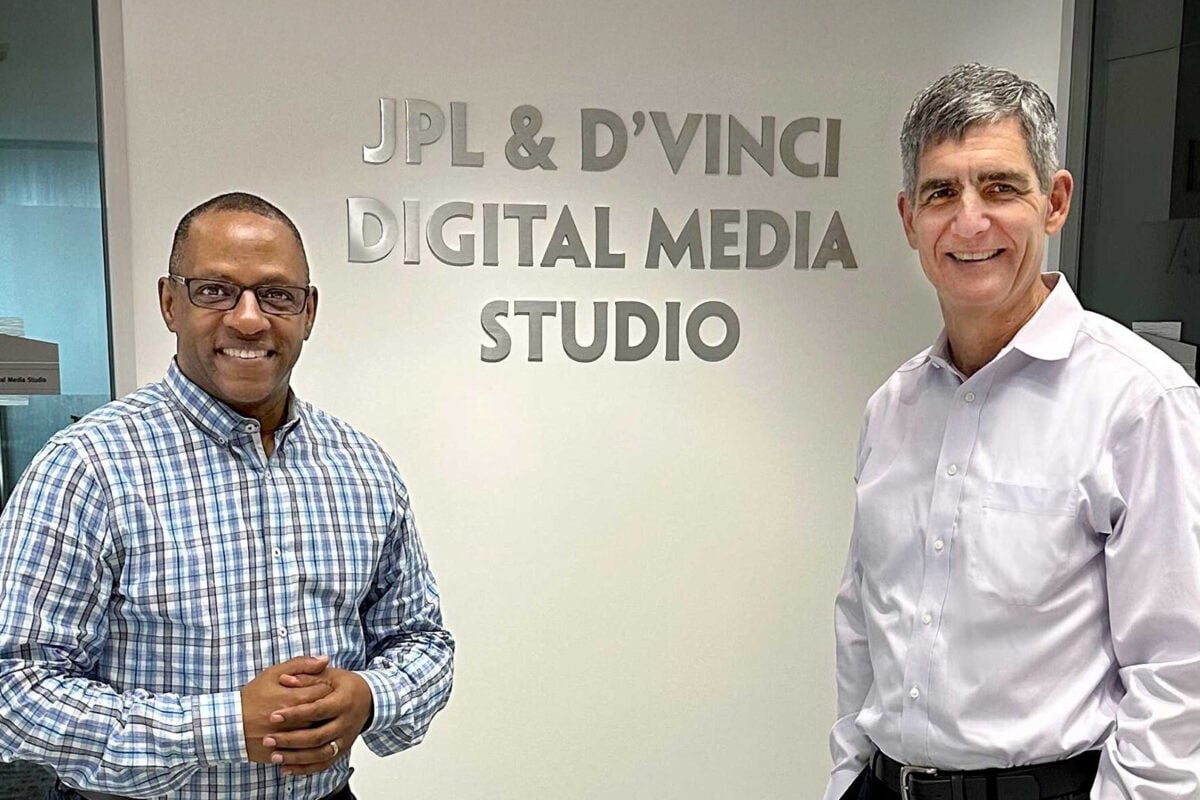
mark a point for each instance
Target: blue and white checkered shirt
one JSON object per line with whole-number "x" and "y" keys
{"x": 153, "y": 560}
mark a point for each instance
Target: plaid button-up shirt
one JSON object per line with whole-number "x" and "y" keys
{"x": 153, "y": 560}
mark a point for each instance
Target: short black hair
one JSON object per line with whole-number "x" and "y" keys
{"x": 230, "y": 201}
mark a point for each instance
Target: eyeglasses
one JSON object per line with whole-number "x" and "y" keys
{"x": 217, "y": 295}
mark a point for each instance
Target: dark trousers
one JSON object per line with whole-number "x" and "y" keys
{"x": 866, "y": 787}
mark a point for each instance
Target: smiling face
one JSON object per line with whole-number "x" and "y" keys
{"x": 242, "y": 357}
{"x": 979, "y": 222}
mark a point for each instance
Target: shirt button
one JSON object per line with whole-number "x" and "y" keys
{"x": 914, "y": 693}
{"x": 277, "y": 552}
{"x": 938, "y": 545}
{"x": 282, "y": 633}
{"x": 927, "y": 618}
{"x": 952, "y": 469}
{"x": 969, "y": 397}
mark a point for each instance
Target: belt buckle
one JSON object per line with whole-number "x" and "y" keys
{"x": 906, "y": 774}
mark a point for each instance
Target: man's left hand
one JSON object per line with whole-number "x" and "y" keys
{"x": 336, "y": 718}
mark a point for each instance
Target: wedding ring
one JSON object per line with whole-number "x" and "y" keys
{"x": 336, "y": 748}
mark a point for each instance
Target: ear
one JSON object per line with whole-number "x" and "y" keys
{"x": 310, "y": 313}
{"x": 1061, "y": 188}
{"x": 906, "y": 219}
{"x": 166, "y": 303}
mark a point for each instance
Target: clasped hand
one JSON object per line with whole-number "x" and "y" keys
{"x": 303, "y": 714}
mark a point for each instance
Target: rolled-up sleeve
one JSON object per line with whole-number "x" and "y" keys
{"x": 1153, "y": 575}
{"x": 56, "y": 572}
{"x": 848, "y": 745}
{"x": 410, "y": 655}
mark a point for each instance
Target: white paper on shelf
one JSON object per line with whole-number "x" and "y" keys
{"x": 1167, "y": 330}
{"x": 13, "y": 326}
{"x": 1182, "y": 352}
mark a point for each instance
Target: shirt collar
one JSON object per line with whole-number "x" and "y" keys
{"x": 213, "y": 417}
{"x": 1049, "y": 334}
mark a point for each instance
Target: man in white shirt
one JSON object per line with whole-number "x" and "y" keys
{"x": 1020, "y": 613}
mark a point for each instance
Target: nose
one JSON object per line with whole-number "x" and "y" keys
{"x": 246, "y": 317}
{"x": 971, "y": 218}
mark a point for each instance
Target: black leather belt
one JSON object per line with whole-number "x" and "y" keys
{"x": 1034, "y": 782}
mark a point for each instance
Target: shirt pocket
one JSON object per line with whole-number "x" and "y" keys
{"x": 1029, "y": 540}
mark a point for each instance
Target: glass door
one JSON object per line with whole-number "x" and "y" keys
{"x": 1140, "y": 236}
{"x": 53, "y": 285}
{"x": 52, "y": 270}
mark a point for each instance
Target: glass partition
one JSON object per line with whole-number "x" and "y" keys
{"x": 1140, "y": 236}
{"x": 53, "y": 284}
{"x": 52, "y": 272}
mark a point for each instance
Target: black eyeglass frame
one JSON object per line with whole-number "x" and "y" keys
{"x": 263, "y": 304}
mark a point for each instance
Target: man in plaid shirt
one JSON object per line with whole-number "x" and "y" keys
{"x": 210, "y": 588}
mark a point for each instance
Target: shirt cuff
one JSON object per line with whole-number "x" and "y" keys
{"x": 839, "y": 782}
{"x": 217, "y": 726}
{"x": 390, "y": 703}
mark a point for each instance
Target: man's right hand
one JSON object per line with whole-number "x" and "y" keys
{"x": 264, "y": 695}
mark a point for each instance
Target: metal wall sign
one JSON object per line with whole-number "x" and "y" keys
{"x": 752, "y": 240}
{"x": 28, "y": 366}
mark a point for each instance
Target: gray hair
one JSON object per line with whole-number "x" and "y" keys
{"x": 973, "y": 93}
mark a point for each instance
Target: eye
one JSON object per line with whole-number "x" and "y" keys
{"x": 213, "y": 290}
{"x": 275, "y": 294}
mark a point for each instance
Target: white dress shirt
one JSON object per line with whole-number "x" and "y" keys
{"x": 1023, "y": 582}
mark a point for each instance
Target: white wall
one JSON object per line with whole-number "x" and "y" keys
{"x": 638, "y": 559}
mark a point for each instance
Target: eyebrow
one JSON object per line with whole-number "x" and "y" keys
{"x": 1003, "y": 176}
{"x": 996, "y": 176}
{"x": 262, "y": 284}
{"x": 274, "y": 278}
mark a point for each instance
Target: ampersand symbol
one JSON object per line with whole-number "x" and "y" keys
{"x": 526, "y": 121}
